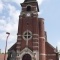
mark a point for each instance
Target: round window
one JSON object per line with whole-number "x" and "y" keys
{"x": 27, "y": 35}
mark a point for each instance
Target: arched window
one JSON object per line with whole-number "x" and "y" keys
{"x": 28, "y": 8}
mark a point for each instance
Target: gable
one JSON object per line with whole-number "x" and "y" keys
{"x": 49, "y": 48}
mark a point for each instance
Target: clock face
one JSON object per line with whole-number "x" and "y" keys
{"x": 28, "y": 14}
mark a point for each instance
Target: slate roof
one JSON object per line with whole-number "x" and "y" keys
{"x": 29, "y": 0}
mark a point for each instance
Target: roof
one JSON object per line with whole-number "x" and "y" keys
{"x": 29, "y": 0}
{"x": 49, "y": 48}
{"x": 2, "y": 56}
{"x": 13, "y": 47}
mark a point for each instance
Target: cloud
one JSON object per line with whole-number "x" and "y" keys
{"x": 13, "y": 22}
{"x": 58, "y": 45}
{"x": 1, "y": 6}
{"x": 40, "y": 2}
{"x": 13, "y": 13}
{"x": 15, "y": 1}
{"x": 21, "y": 1}
{"x": 18, "y": 1}
{"x": 9, "y": 22}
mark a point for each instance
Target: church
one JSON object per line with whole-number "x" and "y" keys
{"x": 32, "y": 41}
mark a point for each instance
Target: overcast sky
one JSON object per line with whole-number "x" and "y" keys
{"x": 9, "y": 16}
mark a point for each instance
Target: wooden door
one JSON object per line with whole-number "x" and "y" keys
{"x": 26, "y": 57}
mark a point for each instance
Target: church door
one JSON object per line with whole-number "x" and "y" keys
{"x": 26, "y": 57}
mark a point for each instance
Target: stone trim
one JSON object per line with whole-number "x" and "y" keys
{"x": 36, "y": 42}
{"x": 27, "y": 31}
{"x": 19, "y": 35}
{"x": 28, "y": 5}
{"x": 48, "y": 54}
{"x": 36, "y": 53}
{"x": 51, "y": 54}
{"x": 35, "y": 13}
{"x": 33, "y": 34}
{"x": 30, "y": 13}
{"x": 42, "y": 38}
{"x": 36, "y": 38}
{"x": 36, "y": 34}
{"x": 35, "y": 46}
{"x": 26, "y": 51}
{"x": 42, "y": 54}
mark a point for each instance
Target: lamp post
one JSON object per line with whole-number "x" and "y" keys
{"x": 6, "y": 44}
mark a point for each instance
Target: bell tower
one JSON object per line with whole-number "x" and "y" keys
{"x": 32, "y": 41}
{"x": 30, "y": 36}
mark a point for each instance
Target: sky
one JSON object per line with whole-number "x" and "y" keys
{"x": 9, "y": 17}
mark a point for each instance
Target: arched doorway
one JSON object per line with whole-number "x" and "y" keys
{"x": 26, "y": 57}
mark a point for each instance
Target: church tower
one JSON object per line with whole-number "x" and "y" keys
{"x": 32, "y": 41}
{"x": 30, "y": 37}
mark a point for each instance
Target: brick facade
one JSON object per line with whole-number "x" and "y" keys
{"x": 31, "y": 36}
{"x": 2, "y": 56}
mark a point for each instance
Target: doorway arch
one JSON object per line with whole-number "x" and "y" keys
{"x": 26, "y": 57}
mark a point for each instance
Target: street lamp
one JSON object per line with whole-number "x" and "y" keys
{"x": 6, "y": 44}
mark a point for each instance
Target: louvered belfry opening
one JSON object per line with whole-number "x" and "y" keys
{"x": 28, "y": 8}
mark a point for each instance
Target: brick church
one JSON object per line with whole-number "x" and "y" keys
{"x": 32, "y": 41}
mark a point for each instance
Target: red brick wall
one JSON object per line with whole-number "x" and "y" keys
{"x": 41, "y": 39}
{"x": 2, "y": 56}
{"x": 50, "y": 52}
